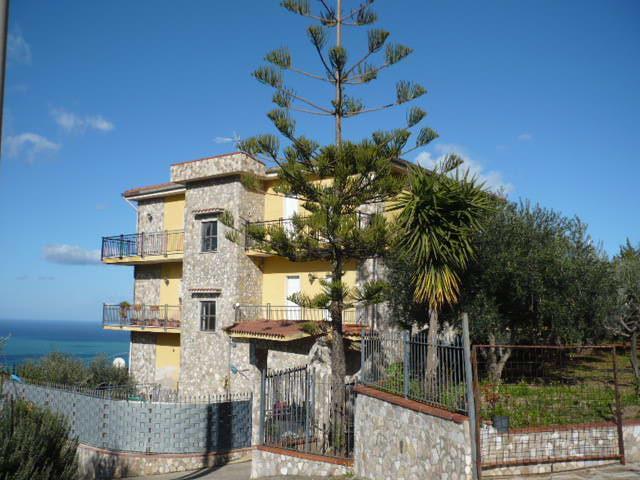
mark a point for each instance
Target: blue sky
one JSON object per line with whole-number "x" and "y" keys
{"x": 540, "y": 97}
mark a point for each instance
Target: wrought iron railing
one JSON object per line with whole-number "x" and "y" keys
{"x": 138, "y": 315}
{"x": 166, "y": 242}
{"x": 246, "y": 313}
{"x": 287, "y": 225}
{"x": 416, "y": 368}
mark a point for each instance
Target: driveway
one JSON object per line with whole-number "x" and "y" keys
{"x": 242, "y": 471}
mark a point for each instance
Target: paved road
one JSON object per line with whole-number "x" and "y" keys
{"x": 241, "y": 471}
{"x": 613, "y": 472}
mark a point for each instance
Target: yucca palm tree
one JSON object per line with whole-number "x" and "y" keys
{"x": 438, "y": 214}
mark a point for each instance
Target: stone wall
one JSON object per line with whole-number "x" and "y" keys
{"x": 266, "y": 462}
{"x": 631, "y": 432}
{"x": 100, "y": 463}
{"x": 207, "y": 356}
{"x": 217, "y": 166}
{"x": 581, "y": 441}
{"x": 146, "y": 287}
{"x": 143, "y": 357}
{"x": 151, "y": 215}
{"x": 396, "y": 442}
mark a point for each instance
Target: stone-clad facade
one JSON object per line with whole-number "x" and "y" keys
{"x": 210, "y": 362}
{"x": 232, "y": 277}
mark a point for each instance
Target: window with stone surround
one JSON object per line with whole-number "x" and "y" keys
{"x": 208, "y": 315}
{"x": 209, "y": 236}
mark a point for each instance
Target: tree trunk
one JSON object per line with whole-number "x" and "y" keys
{"x": 336, "y": 344}
{"x": 432, "y": 351}
{"x": 497, "y": 357}
{"x": 634, "y": 359}
{"x": 338, "y": 100}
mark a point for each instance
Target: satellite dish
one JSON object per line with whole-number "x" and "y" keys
{"x": 119, "y": 362}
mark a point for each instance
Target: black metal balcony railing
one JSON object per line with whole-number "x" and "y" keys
{"x": 143, "y": 244}
{"x": 363, "y": 220}
{"x": 138, "y": 315}
{"x": 246, "y": 313}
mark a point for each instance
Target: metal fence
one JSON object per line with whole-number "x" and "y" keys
{"x": 301, "y": 412}
{"x": 143, "y": 244}
{"x": 411, "y": 366}
{"x": 145, "y": 421}
{"x": 545, "y": 404}
{"x": 139, "y": 315}
{"x": 245, "y": 313}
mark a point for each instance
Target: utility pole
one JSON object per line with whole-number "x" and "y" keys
{"x": 4, "y": 23}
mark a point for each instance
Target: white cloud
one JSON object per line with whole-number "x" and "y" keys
{"x": 492, "y": 179}
{"x": 235, "y": 138}
{"x": 71, "y": 255}
{"x": 525, "y": 137}
{"x": 18, "y": 49}
{"x": 30, "y": 145}
{"x": 72, "y": 122}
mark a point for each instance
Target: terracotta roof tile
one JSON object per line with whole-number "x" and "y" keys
{"x": 282, "y": 330}
{"x": 151, "y": 188}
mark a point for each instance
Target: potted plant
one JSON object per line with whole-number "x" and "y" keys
{"x": 124, "y": 311}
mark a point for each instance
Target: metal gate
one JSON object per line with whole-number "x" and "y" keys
{"x": 546, "y": 404}
{"x": 300, "y": 411}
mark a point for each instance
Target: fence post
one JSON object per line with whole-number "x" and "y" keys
{"x": 618, "y": 408}
{"x": 263, "y": 388}
{"x": 307, "y": 412}
{"x": 121, "y": 246}
{"x": 363, "y": 371}
{"x": 405, "y": 363}
{"x": 471, "y": 404}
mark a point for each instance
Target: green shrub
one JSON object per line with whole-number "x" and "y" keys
{"x": 61, "y": 368}
{"x": 35, "y": 444}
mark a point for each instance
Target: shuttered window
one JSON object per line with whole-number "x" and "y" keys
{"x": 209, "y": 236}
{"x": 208, "y": 315}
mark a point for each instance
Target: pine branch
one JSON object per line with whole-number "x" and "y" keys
{"x": 311, "y": 112}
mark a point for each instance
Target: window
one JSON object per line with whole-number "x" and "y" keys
{"x": 208, "y": 315}
{"x": 209, "y": 236}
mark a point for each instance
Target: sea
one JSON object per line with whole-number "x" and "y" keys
{"x": 32, "y": 339}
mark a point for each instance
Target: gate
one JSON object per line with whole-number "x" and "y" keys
{"x": 546, "y": 404}
{"x": 300, "y": 411}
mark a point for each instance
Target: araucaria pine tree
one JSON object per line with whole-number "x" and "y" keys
{"x": 335, "y": 183}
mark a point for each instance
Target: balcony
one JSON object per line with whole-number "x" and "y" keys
{"x": 138, "y": 317}
{"x": 287, "y": 323}
{"x": 137, "y": 248}
{"x": 265, "y": 229}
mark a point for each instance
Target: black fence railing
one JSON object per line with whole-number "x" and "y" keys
{"x": 143, "y": 244}
{"x": 246, "y": 313}
{"x": 299, "y": 411}
{"x": 414, "y": 367}
{"x": 255, "y": 232}
{"x": 138, "y": 315}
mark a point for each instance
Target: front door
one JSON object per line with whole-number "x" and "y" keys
{"x": 293, "y": 286}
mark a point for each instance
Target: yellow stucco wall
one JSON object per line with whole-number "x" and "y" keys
{"x": 276, "y": 270}
{"x": 171, "y": 284}
{"x": 168, "y": 359}
{"x": 174, "y": 212}
{"x": 273, "y": 203}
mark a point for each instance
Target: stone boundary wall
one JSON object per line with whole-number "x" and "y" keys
{"x": 578, "y": 438}
{"x": 100, "y": 463}
{"x": 407, "y": 440}
{"x": 271, "y": 462}
{"x": 147, "y": 427}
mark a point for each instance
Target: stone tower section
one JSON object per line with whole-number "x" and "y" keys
{"x": 210, "y": 362}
